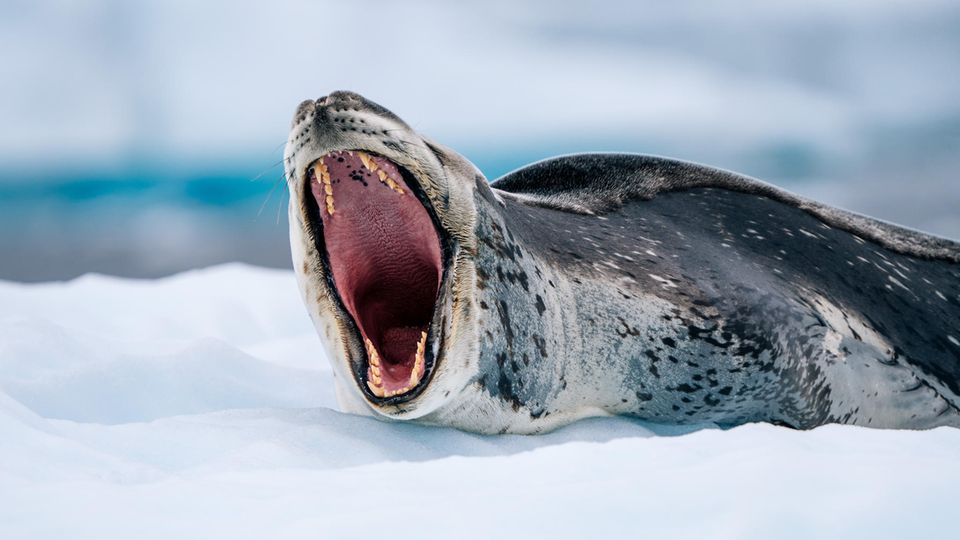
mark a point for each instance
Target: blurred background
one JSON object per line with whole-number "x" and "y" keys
{"x": 141, "y": 138}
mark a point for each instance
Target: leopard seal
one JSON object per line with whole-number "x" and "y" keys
{"x": 606, "y": 284}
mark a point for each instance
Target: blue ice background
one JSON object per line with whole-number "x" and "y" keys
{"x": 143, "y": 138}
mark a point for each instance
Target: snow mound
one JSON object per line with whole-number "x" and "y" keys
{"x": 201, "y": 406}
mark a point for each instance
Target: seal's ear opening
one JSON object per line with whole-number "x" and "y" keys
{"x": 384, "y": 254}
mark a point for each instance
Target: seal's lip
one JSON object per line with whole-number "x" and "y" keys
{"x": 428, "y": 347}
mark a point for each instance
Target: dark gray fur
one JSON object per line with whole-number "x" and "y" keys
{"x": 599, "y": 183}
{"x": 679, "y": 293}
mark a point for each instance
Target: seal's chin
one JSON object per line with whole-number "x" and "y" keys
{"x": 384, "y": 256}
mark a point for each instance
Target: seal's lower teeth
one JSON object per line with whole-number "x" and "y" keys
{"x": 375, "y": 381}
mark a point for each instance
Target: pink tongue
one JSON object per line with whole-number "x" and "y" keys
{"x": 384, "y": 254}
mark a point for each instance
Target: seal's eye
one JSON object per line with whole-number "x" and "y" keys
{"x": 385, "y": 258}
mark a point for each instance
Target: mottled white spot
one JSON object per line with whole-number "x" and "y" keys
{"x": 897, "y": 283}
{"x": 664, "y": 281}
{"x": 954, "y": 340}
{"x": 645, "y": 239}
{"x": 940, "y": 294}
{"x": 651, "y": 253}
{"x": 807, "y": 233}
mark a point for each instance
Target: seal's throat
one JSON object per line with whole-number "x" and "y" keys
{"x": 384, "y": 255}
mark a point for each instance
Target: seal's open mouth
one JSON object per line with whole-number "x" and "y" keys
{"x": 384, "y": 255}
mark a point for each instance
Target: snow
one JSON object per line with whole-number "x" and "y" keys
{"x": 201, "y": 406}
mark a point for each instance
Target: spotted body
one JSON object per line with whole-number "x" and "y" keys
{"x": 604, "y": 284}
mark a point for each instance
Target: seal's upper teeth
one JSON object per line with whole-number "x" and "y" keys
{"x": 367, "y": 161}
{"x": 393, "y": 185}
{"x": 371, "y": 165}
{"x": 324, "y": 175}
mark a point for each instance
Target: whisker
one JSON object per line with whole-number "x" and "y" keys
{"x": 268, "y": 169}
{"x": 268, "y": 197}
{"x": 280, "y": 205}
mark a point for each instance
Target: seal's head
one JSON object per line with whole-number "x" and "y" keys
{"x": 381, "y": 232}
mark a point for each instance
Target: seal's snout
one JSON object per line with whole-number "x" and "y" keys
{"x": 363, "y": 190}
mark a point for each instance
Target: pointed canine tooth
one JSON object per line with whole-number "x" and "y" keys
{"x": 367, "y": 161}
{"x": 328, "y": 189}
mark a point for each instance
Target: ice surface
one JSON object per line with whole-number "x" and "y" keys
{"x": 201, "y": 406}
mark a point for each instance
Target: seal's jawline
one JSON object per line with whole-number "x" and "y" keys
{"x": 363, "y": 272}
